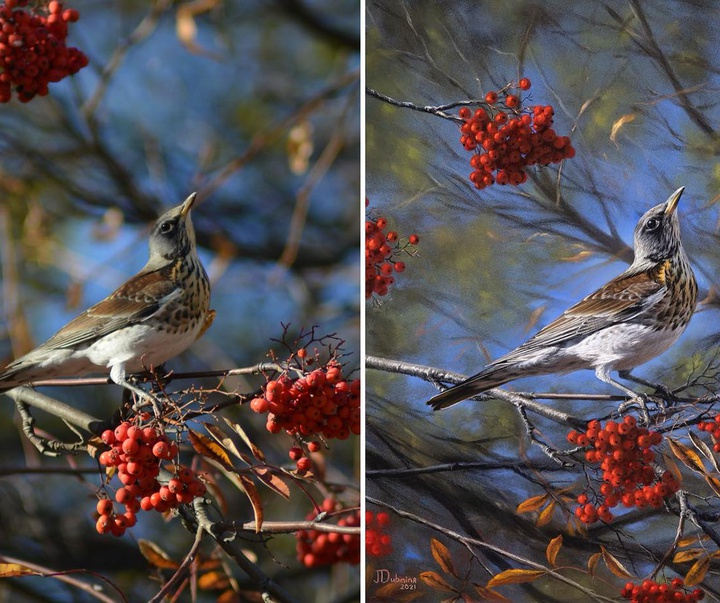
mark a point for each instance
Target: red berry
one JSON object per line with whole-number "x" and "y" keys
{"x": 491, "y": 98}
{"x": 524, "y": 84}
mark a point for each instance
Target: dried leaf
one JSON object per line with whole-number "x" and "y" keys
{"x": 688, "y": 540}
{"x": 226, "y": 442}
{"x": 272, "y": 481}
{"x": 696, "y": 574}
{"x": 156, "y": 556}
{"x": 614, "y": 565}
{"x": 490, "y": 595}
{"x": 688, "y": 555}
{"x": 534, "y": 317}
{"x": 553, "y": 548}
{"x": 580, "y": 256}
{"x": 436, "y": 582}
{"x": 300, "y": 147}
{"x": 592, "y": 563}
{"x": 255, "y": 500}
{"x": 515, "y": 576}
{"x": 204, "y": 446}
{"x": 673, "y": 468}
{"x": 257, "y": 453}
{"x": 546, "y": 516}
{"x": 442, "y": 555}
{"x": 704, "y": 449}
{"x": 714, "y": 483}
{"x": 186, "y": 28}
{"x": 532, "y": 504}
{"x": 12, "y": 570}
{"x": 213, "y": 581}
{"x": 619, "y": 123}
{"x": 687, "y": 456}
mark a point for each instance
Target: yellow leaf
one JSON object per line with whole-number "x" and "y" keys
{"x": 442, "y": 555}
{"x": 553, "y": 548}
{"x": 11, "y": 570}
{"x": 619, "y": 123}
{"x": 546, "y": 516}
{"x": 436, "y": 582}
{"x": 532, "y": 504}
{"x": 156, "y": 556}
{"x": 213, "y": 581}
{"x": 204, "y": 446}
{"x": 226, "y": 442}
{"x": 696, "y": 574}
{"x": 614, "y": 565}
{"x": 580, "y": 256}
{"x": 688, "y": 540}
{"x": 514, "y": 576}
{"x": 688, "y": 555}
{"x": 687, "y": 456}
{"x": 714, "y": 483}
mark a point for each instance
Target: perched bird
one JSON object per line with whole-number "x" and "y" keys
{"x": 151, "y": 318}
{"x": 630, "y": 320}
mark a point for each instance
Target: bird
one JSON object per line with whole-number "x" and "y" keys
{"x": 628, "y": 321}
{"x": 154, "y": 316}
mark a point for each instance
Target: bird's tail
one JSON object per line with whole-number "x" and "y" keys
{"x": 487, "y": 379}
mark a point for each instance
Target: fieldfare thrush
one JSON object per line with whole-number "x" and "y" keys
{"x": 627, "y": 322}
{"x": 154, "y": 316}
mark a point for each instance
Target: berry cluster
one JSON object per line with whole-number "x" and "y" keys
{"x": 315, "y": 548}
{"x": 377, "y": 543}
{"x": 381, "y": 252}
{"x": 33, "y": 52}
{"x": 505, "y": 139}
{"x": 712, "y": 427}
{"x": 136, "y": 452}
{"x": 322, "y": 402}
{"x": 654, "y": 592}
{"x": 623, "y": 452}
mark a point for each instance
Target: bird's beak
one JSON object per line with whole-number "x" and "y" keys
{"x": 185, "y": 209}
{"x": 673, "y": 200}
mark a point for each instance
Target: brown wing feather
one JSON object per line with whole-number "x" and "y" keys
{"x": 131, "y": 303}
{"x": 620, "y": 299}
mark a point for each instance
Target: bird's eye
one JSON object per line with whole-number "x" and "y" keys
{"x": 652, "y": 224}
{"x": 167, "y": 227}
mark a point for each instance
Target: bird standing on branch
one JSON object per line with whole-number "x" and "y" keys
{"x": 154, "y": 316}
{"x": 627, "y": 322}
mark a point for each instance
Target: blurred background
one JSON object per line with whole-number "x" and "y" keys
{"x": 256, "y": 107}
{"x": 635, "y": 86}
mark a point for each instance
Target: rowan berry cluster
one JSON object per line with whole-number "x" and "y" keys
{"x": 623, "y": 453}
{"x": 504, "y": 138}
{"x": 33, "y": 52}
{"x": 377, "y": 543}
{"x": 382, "y": 250}
{"x": 136, "y": 453}
{"x": 321, "y": 402}
{"x": 651, "y": 591}
{"x": 315, "y": 548}
{"x": 713, "y": 428}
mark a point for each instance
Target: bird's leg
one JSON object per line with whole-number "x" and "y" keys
{"x": 117, "y": 374}
{"x": 636, "y": 399}
{"x": 658, "y": 387}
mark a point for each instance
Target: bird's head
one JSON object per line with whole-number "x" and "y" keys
{"x": 657, "y": 234}
{"x": 173, "y": 235}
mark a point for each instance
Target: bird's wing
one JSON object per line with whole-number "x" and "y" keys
{"x": 623, "y": 298}
{"x": 133, "y": 302}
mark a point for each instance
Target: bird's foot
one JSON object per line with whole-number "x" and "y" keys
{"x": 638, "y": 401}
{"x": 665, "y": 394}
